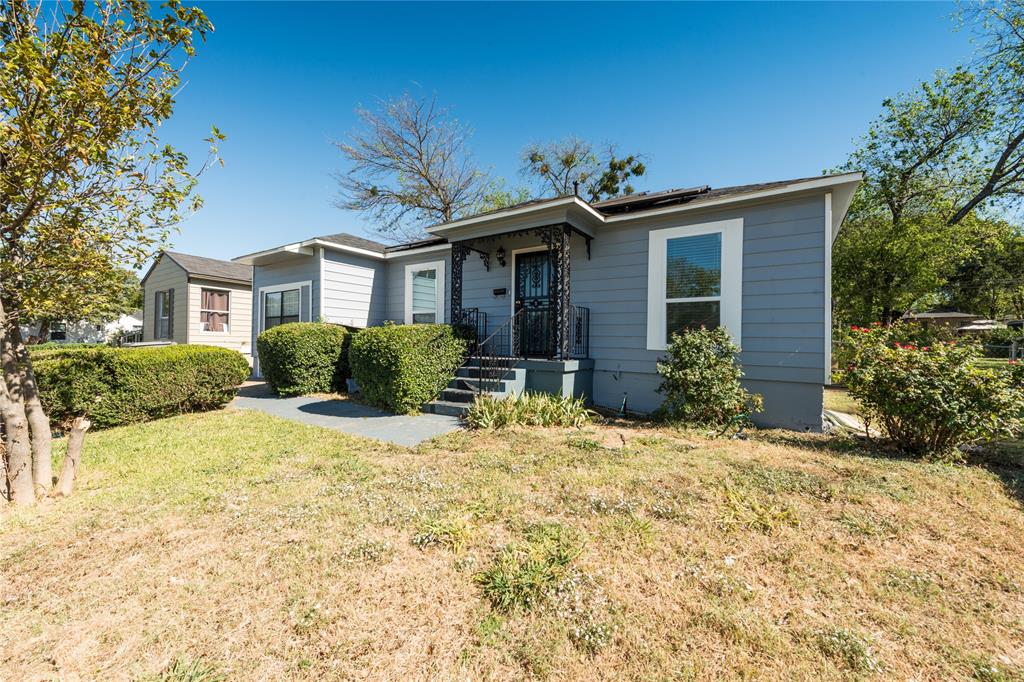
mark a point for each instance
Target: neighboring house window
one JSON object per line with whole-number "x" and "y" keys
{"x": 164, "y": 313}
{"x": 424, "y": 293}
{"x": 280, "y": 307}
{"x": 214, "y": 305}
{"x": 58, "y": 331}
{"x": 694, "y": 279}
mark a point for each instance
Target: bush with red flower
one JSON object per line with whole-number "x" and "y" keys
{"x": 931, "y": 400}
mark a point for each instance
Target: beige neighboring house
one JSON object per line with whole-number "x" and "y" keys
{"x": 193, "y": 299}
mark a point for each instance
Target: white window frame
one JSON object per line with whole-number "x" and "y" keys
{"x": 202, "y": 310}
{"x": 437, "y": 266}
{"x": 731, "y": 295}
{"x": 162, "y": 312}
{"x": 285, "y": 287}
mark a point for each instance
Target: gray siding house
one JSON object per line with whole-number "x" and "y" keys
{"x": 583, "y": 297}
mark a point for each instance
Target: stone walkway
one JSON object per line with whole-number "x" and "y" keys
{"x": 345, "y": 415}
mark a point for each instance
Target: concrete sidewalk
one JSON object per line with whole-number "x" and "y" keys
{"x": 346, "y": 415}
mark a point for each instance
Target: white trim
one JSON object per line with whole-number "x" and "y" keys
{"x": 284, "y": 287}
{"x": 732, "y": 277}
{"x": 828, "y": 287}
{"x": 417, "y": 251}
{"x": 438, "y": 267}
{"x": 309, "y": 248}
{"x": 230, "y": 312}
{"x": 323, "y": 288}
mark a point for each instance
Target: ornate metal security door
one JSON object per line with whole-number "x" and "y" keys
{"x": 533, "y": 296}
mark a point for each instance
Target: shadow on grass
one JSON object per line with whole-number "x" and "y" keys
{"x": 1005, "y": 460}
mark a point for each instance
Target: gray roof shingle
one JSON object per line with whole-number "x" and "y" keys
{"x": 201, "y": 266}
{"x": 346, "y": 239}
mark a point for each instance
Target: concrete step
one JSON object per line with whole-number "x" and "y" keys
{"x": 470, "y": 371}
{"x": 458, "y": 395}
{"x": 447, "y": 408}
{"x": 473, "y": 384}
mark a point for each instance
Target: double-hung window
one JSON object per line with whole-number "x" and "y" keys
{"x": 694, "y": 280}
{"x": 214, "y": 307}
{"x": 424, "y": 293}
{"x": 281, "y": 307}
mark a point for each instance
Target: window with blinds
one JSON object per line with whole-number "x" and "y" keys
{"x": 424, "y": 296}
{"x": 693, "y": 283}
{"x": 424, "y": 292}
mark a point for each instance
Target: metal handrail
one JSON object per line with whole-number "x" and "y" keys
{"x": 472, "y": 320}
{"x": 498, "y": 354}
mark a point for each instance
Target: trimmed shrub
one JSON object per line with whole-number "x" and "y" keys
{"x": 932, "y": 400}
{"x": 700, "y": 380}
{"x": 400, "y": 367}
{"x": 114, "y": 386}
{"x": 526, "y": 409}
{"x": 304, "y": 357}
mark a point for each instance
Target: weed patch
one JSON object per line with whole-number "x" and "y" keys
{"x": 524, "y": 572}
{"x": 742, "y": 509}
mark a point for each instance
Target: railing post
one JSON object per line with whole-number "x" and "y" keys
{"x": 459, "y": 253}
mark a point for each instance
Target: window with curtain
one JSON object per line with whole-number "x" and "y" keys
{"x": 424, "y": 296}
{"x": 163, "y": 315}
{"x": 280, "y": 307}
{"x": 214, "y": 306}
{"x": 693, "y": 283}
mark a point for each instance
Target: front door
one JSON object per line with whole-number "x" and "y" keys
{"x": 533, "y": 296}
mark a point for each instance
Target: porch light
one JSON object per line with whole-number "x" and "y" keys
{"x": 501, "y": 255}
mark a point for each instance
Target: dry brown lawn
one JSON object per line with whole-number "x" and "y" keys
{"x": 235, "y": 546}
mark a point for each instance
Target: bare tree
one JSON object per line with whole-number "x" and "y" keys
{"x": 410, "y": 168}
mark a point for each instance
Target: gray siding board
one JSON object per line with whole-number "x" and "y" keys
{"x": 355, "y": 290}
{"x": 772, "y": 271}
{"x": 784, "y": 316}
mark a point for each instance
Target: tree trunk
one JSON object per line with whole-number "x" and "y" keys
{"x": 5, "y": 492}
{"x": 17, "y": 439}
{"x": 38, "y": 422}
{"x": 44, "y": 331}
{"x": 73, "y": 458}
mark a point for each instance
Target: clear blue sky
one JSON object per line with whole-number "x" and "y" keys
{"x": 715, "y": 94}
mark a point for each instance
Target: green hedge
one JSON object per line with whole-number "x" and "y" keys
{"x": 114, "y": 386}
{"x": 304, "y": 357}
{"x": 400, "y": 367}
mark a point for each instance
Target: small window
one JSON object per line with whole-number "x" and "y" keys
{"x": 424, "y": 296}
{"x": 163, "y": 315}
{"x": 58, "y": 331}
{"x": 214, "y": 307}
{"x": 694, "y": 279}
{"x": 424, "y": 293}
{"x": 281, "y": 307}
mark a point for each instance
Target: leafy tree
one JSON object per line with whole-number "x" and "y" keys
{"x": 85, "y": 184}
{"x": 570, "y": 166}
{"x": 962, "y": 133}
{"x": 499, "y": 195}
{"x": 938, "y": 163}
{"x": 990, "y": 276}
{"x": 410, "y": 168}
{"x": 881, "y": 268}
